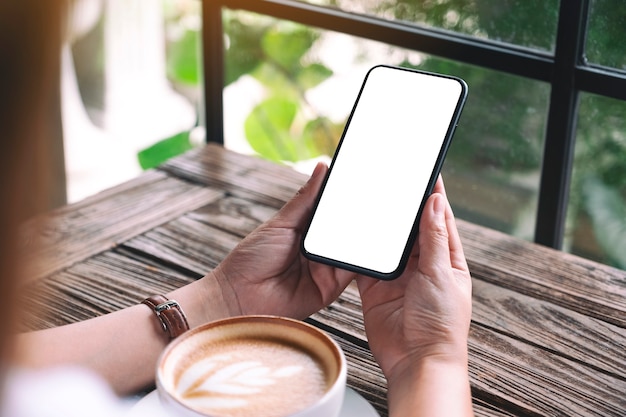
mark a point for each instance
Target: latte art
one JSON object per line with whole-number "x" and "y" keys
{"x": 250, "y": 378}
{"x": 219, "y": 375}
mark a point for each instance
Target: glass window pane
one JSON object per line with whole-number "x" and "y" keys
{"x": 292, "y": 87}
{"x": 597, "y": 207}
{"x": 605, "y": 37}
{"x": 528, "y": 23}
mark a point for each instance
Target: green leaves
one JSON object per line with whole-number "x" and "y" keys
{"x": 183, "y": 63}
{"x": 275, "y": 132}
{"x": 312, "y": 75}
{"x": 286, "y": 44}
{"x": 253, "y": 41}
{"x": 283, "y": 127}
{"x": 267, "y": 129}
{"x": 243, "y": 52}
{"x": 161, "y": 151}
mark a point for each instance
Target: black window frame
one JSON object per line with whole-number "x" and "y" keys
{"x": 566, "y": 71}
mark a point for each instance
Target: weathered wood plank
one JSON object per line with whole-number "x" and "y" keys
{"x": 484, "y": 409}
{"x": 591, "y": 341}
{"x": 584, "y": 286}
{"x": 235, "y": 215}
{"x": 345, "y": 314}
{"x": 269, "y": 183}
{"x": 102, "y": 284}
{"x": 186, "y": 243}
{"x": 200, "y": 239}
{"x": 543, "y": 375}
{"x": 568, "y": 334}
{"x": 517, "y": 375}
{"x": 75, "y": 232}
{"x": 511, "y": 375}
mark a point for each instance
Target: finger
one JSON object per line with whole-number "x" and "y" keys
{"x": 457, "y": 255}
{"x": 295, "y": 212}
{"x": 364, "y": 283}
{"x": 434, "y": 238}
{"x": 440, "y": 187}
{"x": 375, "y": 292}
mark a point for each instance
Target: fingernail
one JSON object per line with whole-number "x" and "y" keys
{"x": 439, "y": 206}
{"x": 318, "y": 169}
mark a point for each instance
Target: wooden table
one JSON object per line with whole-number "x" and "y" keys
{"x": 548, "y": 335}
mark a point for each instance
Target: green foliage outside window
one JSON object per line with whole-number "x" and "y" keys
{"x": 274, "y": 54}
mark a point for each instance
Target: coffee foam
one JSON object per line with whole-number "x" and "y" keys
{"x": 250, "y": 377}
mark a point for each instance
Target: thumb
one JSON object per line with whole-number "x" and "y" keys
{"x": 434, "y": 248}
{"x": 299, "y": 208}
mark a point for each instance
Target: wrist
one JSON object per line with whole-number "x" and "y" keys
{"x": 417, "y": 364}
{"x": 424, "y": 386}
{"x": 443, "y": 354}
{"x": 204, "y": 301}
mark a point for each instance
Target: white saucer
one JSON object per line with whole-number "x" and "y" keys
{"x": 354, "y": 405}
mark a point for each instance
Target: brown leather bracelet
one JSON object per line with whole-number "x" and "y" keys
{"x": 169, "y": 313}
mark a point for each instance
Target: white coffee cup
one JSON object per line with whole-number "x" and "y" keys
{"x": 262, "y": 366}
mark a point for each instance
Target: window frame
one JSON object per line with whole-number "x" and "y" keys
{"x": 565, "y": 70}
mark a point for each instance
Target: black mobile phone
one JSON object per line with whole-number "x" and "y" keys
{"x": 388, "y": 159}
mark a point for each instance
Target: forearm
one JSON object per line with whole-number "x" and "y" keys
{"x": 123, "y": 346}
{"x": 431, "y": 388}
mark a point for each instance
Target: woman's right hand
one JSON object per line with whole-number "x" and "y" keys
{"x": 418, "y": 324}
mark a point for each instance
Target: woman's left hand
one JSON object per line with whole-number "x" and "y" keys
{"x": 267, "y": 273}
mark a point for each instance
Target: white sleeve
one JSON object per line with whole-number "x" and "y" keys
{"x": 58, "y": 392}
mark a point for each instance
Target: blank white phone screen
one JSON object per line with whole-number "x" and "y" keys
{"x": 382, "y": 168}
